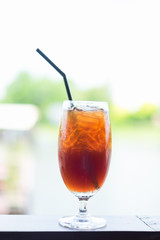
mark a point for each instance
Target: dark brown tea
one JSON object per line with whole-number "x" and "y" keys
{"x": 84, "y": 149}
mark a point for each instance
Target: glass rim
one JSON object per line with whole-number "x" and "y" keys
{"x": 99, "y": 104}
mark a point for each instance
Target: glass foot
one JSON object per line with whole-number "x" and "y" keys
{"x": 80, "y": 223}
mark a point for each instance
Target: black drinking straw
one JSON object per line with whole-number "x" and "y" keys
{"x": 58, "y": 70}
{"x": 94, "y": 180}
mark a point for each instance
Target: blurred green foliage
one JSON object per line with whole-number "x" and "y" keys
{"x": 43, "y": 92}
{"x": 145, "y": 114}
{"x": 101, "y": 93}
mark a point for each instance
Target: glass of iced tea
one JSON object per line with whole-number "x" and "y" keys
{"x": 84, "y": 151}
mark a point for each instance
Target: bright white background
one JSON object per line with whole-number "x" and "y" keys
{"x": 94, "y": 42}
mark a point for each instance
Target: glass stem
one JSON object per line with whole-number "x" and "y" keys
{"x": 83, "y": 207}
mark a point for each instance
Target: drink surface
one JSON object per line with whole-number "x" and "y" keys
{"x": 84, "y": 149}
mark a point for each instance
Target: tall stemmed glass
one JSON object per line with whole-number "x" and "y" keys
{"x": 84, "y": 151}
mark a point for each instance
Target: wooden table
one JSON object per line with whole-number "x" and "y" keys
{"x": 47, "y": 227}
